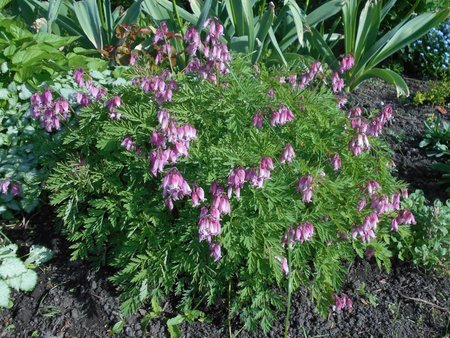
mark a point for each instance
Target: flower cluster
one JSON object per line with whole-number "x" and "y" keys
{"x": 112, "y": 104}
{"x": 302, "y": 233}
{"x": 49, "y": 112}
{"x": 305, "y": 187}
{"x": 174, "y": 187}
{"x": 305, "y": 79}
{"x": 342, "y": 302}
{"x": 161, "y": 86}
{"x": 7, "y": 188}
{"x": 346, "y": 64}
{"x": 171, "y": 141}
{"x": 282, "y": 116}
{"x": 364, "y": 128}
{"x": 336, "y": 162}
{"x": 380, "y": 204}
{"x": 92, "y": 92}
{"x": 337, "y": 83}
{"x": 214, "y": 52}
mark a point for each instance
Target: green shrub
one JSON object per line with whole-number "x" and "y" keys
{"x": 427, "y": 243}
{"x": 116, "y": 212}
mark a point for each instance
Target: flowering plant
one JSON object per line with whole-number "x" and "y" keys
{"x": 226, "y": 178}
{"x": 430, "y": 55}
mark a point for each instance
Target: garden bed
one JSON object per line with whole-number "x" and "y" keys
{"x": 72, "y": 300}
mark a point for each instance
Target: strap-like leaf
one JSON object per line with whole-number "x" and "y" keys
{"x": 88, "y": 16}
{"x": 53, "y": 11}
{"x": 385, "y": 74}
{"x": 298, "y": 17}
{"x": 204, "y": 14}
{"x": 327, "y": 10}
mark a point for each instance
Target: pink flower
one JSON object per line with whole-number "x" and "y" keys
{"x": 236, "y": 181}
{"x": 284, "y": 264}
{"x": 372, "y": 186}
{"x": 4, "y": 185}
{"x": 175, "y": 186}
{"x": 209, "y": 224}
{"x": 161, "y": 32}
{"x": 405, "y": 193}
{"x": 337, "y": 83}
{"x": 342, "y": 302}
{"x": 216, "y": 251}
{"x": 336, "y": 162}
{"x": 15, "y": 189}
{"x": 305, "y": 187}
{"x": 133, "y": 59}
{"x": 282, "y": 116}
{"x": 128, "y": 143}
{"x": 258, "y": 120}
{"x": 78, "y": 75}
{"x": 287, "y": 155}
{"x": 367, "y": 230}
{"x": 82, "y": 99}
{"x": 304, "y": 232}
{"x": 361, "y": 204}
{"x": 394, "y": 225}
{"x": 198, "y": 195}
{"x": 347, "y": 63}
{"x": 406, "y": 217}
{"x": 395, "y": 201}
{"x": 342, "y": 100}
{"x": 221, "y": 203}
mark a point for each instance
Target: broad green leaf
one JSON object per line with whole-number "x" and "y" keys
{"x": 118, "y": 327}
{"x": 317, "y": 41}
{"x": 54, "y": 40}
{"x": 297, "y": 15}
{"x": 5, "y": 293}
{"x": 8, "y": 251}
{"x": 408, "y": 33}
{"x": 274, "y": 41}
{"x": 12, "y": 267}
{"x": 385, "y": 74}
{"x": 350, "y": 15}
{"x": 23, "y": 282}
{"x": 327, "y": 10}
{"x": 53, "y": 10}
{"x": 369, "y": 23}
{"x": 88, "y": 17}
{"x": 262, "y": 29}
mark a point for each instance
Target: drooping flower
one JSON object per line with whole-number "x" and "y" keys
{"x": 78, "y": 76}
{"x": 209, "y": 224}
{"x": 216, "y": 251}
{"x": 287, "y": 155}
{"x": 282, "y": 116}
{"x": 337, "y": 84}
{"x": 197, "y": 196}
{"x": 258, "y": 120}
{"x": 283, "y": 264}
{"x": 304, "y": 232}
{"x": 347, "y": 63}
{"x": 236, "y": 181}
{"x": 361, "y": 204}
{"x": 305, "y": 187}
{"x": 175, "y": 186}
{"x": 128, "y": 143}
{"x": 372, "y": 186}
{"x": 336, "y": 162}
{"x": 367, "y": 230}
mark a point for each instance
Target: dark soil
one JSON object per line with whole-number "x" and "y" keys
{"x": 73, "y": 300}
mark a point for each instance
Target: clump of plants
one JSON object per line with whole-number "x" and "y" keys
{"x": 428, "y": 243}
{"x": 439, "y": 93}
{"x": 225, "y": 180}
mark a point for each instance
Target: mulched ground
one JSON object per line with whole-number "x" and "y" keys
{"x": 72, "y": 300}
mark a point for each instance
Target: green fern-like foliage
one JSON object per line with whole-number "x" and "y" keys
{"x": 114, "y": 212}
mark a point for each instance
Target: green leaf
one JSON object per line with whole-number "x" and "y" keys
{"x": 8, "y": 251}
{"x": 297, "y": 15}
{"x": 88, "y": 16}
{"x": 12, "y": 267}
{"x": 38, "y": 255}
{"x": 203, "y": 15}
{"x": 53, "y": 10}
{"x": 388, "y": 76}
{"x": 118, "y": 327}
{"x": 324, "y": 12}
{"x": 173, "y": 325}
{"x": 24, "y": 282}
{"x": 5, "y": 293}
